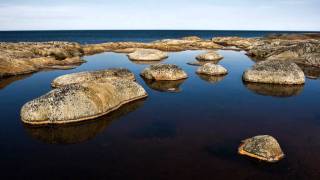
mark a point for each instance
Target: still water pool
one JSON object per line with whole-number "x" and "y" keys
{"x": 190, "y": 134}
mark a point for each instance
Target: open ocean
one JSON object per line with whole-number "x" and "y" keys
{"x": 100, "y": 36}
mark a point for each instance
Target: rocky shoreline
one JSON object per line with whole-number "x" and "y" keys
{"x": 23, "y": 58}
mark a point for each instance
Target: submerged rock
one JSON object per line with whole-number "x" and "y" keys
{"x": 209, "y": 56}
{"x": 276, "y": 90}
{"x": 163, "y": 72}
{"x": 90, "y": 76}
{"x": 212, "y": 69}
{"x": 79, "y": 102}
{"x": 165, "y": 86}
{"x": 263, "y": 147}
{"x": 275, "y": 72}
{"x": 147, "y": 55}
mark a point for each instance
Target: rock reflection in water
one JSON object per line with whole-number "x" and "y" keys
{"x": 4, "y": 82}
{"x": 211, "y": 79}
{"x": 310, "y": 71}
{"x": 80, "y": 132}
{"x": 165, "y": 86}
{"x": 274, "y": 89}
{"x": 146, "y": 62}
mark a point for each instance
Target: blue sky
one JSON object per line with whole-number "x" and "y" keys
{"x": 160, "y": 14}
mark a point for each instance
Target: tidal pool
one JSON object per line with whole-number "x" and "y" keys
{"x": 188, "y": 129}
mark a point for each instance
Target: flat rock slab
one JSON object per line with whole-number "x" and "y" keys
{"x": 275, "y": 72}
{"x": 262, "y": 147}
{"x": 209, "y": 56}
{"x": 164, "y": 72}
{"x": 212, "y": 70}
{"x": 90, "y": 76}
{"x": 79, "y": 102}
{"x": 147, "y": 55}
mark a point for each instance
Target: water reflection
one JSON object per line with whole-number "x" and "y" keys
{"x": 147, "y": 62}
{"x": 211, "y": 79}
{"x": 310, "y": 71}
{"x": 165, "y": 86}
{"x": 80, "y": 132}
{"x": 201, "y": 63}
{"x": 274, "y": 89}
{"x": 4, "y": 82}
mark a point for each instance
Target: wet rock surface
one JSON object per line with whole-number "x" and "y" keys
{"x": 164, "y": 72}
{"x": 212, "y": 69}
{"x": 275, "y": 72}
{"x": 79, "y": 102}
{"x": 262, "y": 147}
{"x": 89, "y": 76}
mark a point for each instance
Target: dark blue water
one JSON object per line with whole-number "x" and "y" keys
{"x": 96, "y": 36}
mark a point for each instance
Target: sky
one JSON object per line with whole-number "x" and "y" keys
{"x": 160, "y": 14}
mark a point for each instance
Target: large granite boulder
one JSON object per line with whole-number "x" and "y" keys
{"x": 263, "y": 147}
{"x": 90, "y": 76}
{"x": 79, "y": 102}
{"x": 275, "y": 72}
{"x": 147, "y": 55}
{"x": 212, "y": 70}
{"x": 209, "y": 56}
{"x": 164, "y": 72}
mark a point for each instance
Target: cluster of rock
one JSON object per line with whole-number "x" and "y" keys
{"x": 85, "y": 96}
{"x": 23, "y": 58}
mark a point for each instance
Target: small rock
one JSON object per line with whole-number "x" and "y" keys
{"x": 263, "y": 147}
{"x": 147, "y": 55}
{"x": 212, "y": 69}
{"x": 209, "y": 56}
{"x": 275, "y": 72}
{"x": 164, "y": 72}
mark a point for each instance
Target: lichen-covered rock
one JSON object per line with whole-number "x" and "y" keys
{"x": 242, "y": 43}
{"x": 209, "y": 56}
{"x": 147, "y": 55}
{"x": 79, "y": 102}
{"x": 90, "y": 76}
{"x": 275, "y": 72}
{"x": 263, "y": 147}
{"x": 212, "y": 69}
{"x": 192, "y": 38}
{"x": 164, "y": 72}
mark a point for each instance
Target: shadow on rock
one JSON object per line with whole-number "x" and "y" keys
{"x": 211, "y": 79}
{"x": 80, "y": 132}
{"x": 274, "y": 89}
{"x": 165, "y": 86}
